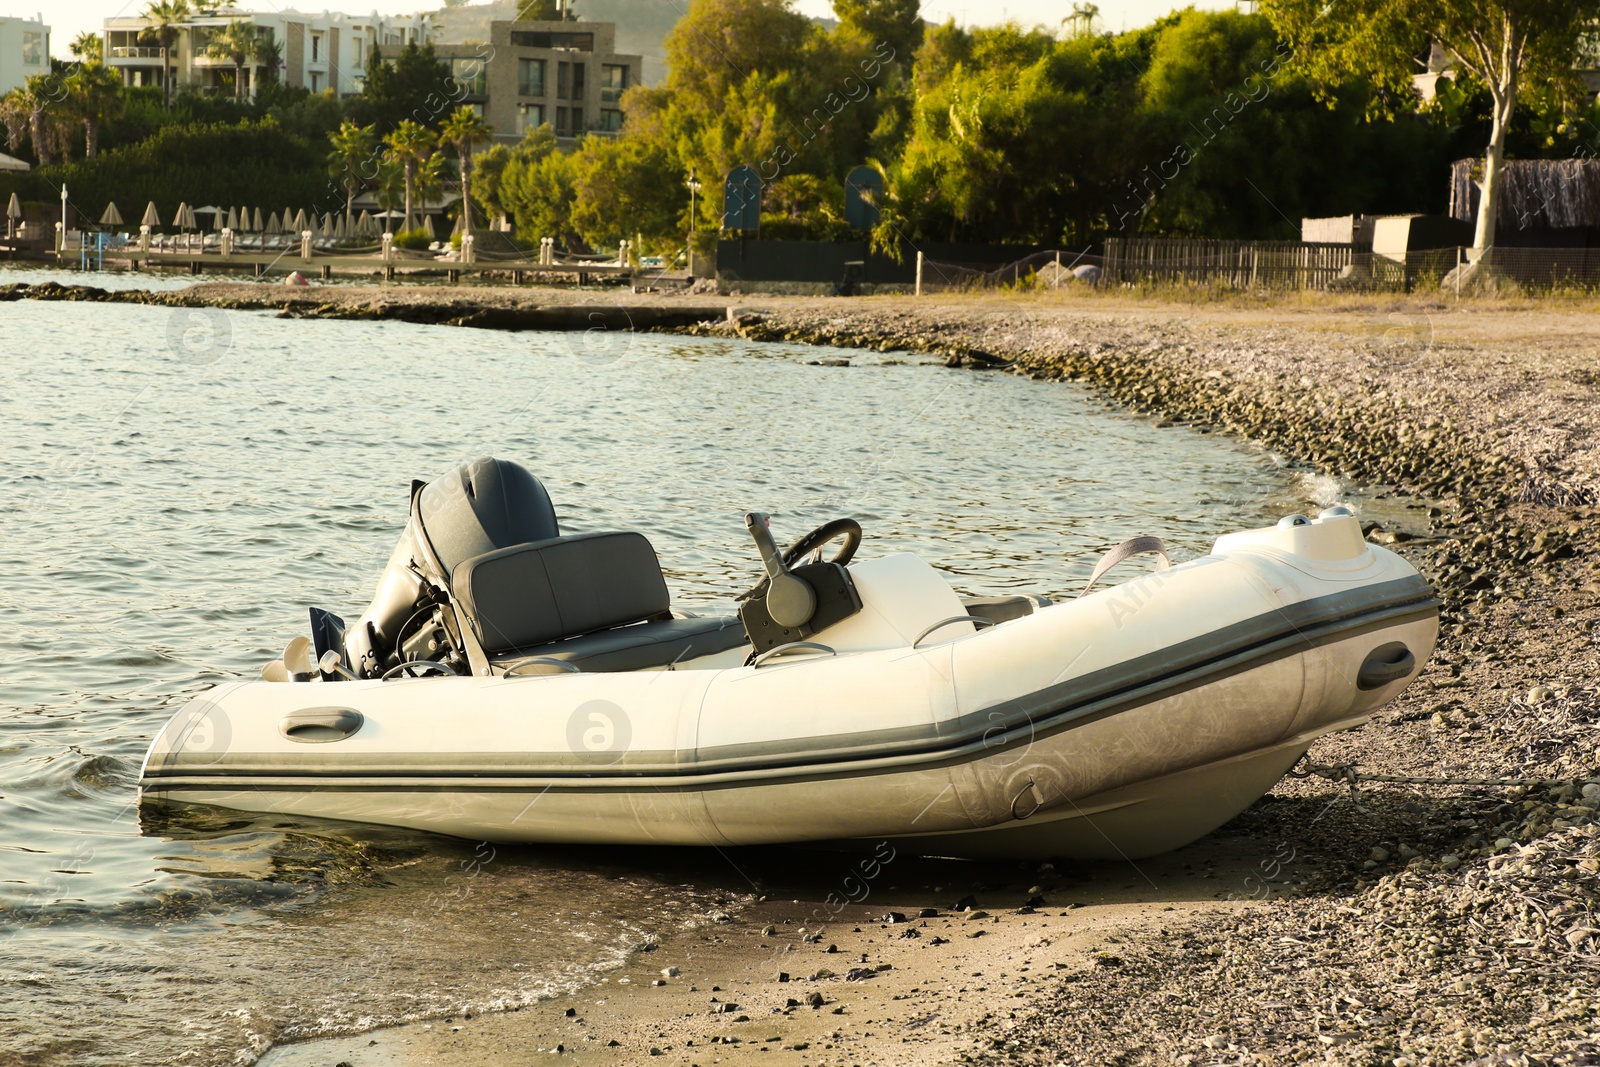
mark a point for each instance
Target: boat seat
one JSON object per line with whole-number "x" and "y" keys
{"x": 640, "y": 647}
{"x": 598, "y": 601}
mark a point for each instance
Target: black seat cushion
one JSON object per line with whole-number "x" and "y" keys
{"x": 545, "y": 591}
{"x": 640, "y": 647}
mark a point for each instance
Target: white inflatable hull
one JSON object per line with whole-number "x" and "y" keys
{"x": 1124, "y": 723}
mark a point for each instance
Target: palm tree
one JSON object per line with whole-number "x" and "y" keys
{"x": 389, "y": 186}
{"x": 238, "y": 41}
{"x": 166, "y": 18}
{"x": 31, "y": 111}
{"x": 353, "y": 149}
{"x": 410, "y": 143}
{"x": 269, "y": 54}
{"x": 88, "y": 47}
{"x": 94, "y": 94}
{"x": 463, "y": 130}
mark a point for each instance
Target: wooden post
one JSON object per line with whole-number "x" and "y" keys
{"x": 919, "y": 272}
{"x": 1056, "y": 284}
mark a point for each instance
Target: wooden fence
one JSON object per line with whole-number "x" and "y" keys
{"x": 1241, "y": 264}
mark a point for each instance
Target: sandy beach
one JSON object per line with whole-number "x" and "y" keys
{"x": 1390, "y": 923}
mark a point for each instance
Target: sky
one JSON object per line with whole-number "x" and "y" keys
{"x": 68, "y": 18}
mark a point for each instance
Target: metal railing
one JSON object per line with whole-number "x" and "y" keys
{"x": 135, "y": 52}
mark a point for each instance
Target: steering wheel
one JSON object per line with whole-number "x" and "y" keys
{"x": 416, "y": 668}
{"x": 814, "y": 541}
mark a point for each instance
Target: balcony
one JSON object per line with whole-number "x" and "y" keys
{"x": 136, "y": 52}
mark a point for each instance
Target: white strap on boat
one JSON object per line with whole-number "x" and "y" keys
{"x": 1133, "y": 546}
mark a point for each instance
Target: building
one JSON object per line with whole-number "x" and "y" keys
{"x": 318, "y": 52}
{"x": 24, "y": 50}
{"x": 568, "y": 74}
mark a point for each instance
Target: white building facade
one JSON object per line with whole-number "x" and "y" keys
{"x": 325, "y": 52}
{"x": 24, "y": 50}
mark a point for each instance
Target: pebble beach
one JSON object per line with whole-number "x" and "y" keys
{"x": 1341, "y": 920}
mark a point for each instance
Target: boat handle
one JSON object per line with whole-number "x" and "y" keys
{"x": 977, "y": 620}
{"x": 1385, "y": 664}
{"x": 320, "y": 725}
{"x": 793, "y": 646}
{"x": 565, "y": 665}
{"x": 1133, "y": 546}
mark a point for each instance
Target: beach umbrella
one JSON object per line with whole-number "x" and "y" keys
{"x": 327, "y": 225}
{"x": 300, "y": 225}
{"x": 180, "y": 218}
{"x": 188, "y": 217}
{"x": 233, "y": 220}
{"x": 210, "y": 209}
{"x": 427, "y": 226}
{"x": 340, "y": 231}
{"x": 152, "y": 218}
{"x": 111, "y": 216}
{"x": 273, "y": 226}
{"x": 458, "y": 228}
{"x": 244, "y": 218}
{"x": 14, "y": 209}
{"x": 364, "y": 225}
{"x": 257, "y": 226}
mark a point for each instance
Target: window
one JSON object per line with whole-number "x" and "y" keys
{"x": 530, "y": 77}
{"x": 613, "y": 81}
{"x": 315, "y": 79}
{"x": 470, "y": 74}
{"x": 32, "y": 49}
{"x": 563, "y": 80}
{"x": 579, "y": 78}
{"x": 529, "y": 117}
{"x": 316, "y": 50}
{"x": 577, "y": 122}
{"x": 561, "y": 122}
{"x": 360, "y": 44}
{"x": 577, "y": 42}
{"x": 610, "y": 120}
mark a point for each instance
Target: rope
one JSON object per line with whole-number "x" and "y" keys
{"x": 1353, "y": 776}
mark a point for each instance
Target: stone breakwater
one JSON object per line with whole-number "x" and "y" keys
{"x": 480, "y": 309}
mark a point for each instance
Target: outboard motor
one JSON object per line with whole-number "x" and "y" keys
{"x": 480, "y": 507}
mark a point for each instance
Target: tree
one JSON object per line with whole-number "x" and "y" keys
{"x": 269, "y": 54}
{"x": 490, "y": 167}
{"x": 354, "y": 152}
{"x": 410, "y": 144}
{"x": 88, "y": 47}
{"x": 539, "y": 11}
{"x": 464, "y": 130}
{"x": 166, "y": 17}
{"x": 33, "y": 112}
{"x": 237, "y": 41}
{"x": 94, "y": 94}
{"x": 1508, "y": 45}
{"x": 895, "y": 22}
{"x": 416, "y": 85}
{"x": 540, "y": 195}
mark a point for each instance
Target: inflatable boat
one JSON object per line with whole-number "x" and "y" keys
{"x": 513, "y": 683}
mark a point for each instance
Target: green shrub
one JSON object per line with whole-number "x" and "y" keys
{"x": 416, "y": 239}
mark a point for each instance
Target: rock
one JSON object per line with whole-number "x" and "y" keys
{"x": 1538, "y": 694}
{"x": 1380, "y": 854}
{"x": 670, "y": 972}
{"x": 816, "y": 1000}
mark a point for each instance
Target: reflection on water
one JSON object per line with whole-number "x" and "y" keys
{"x": 168, "y": 518}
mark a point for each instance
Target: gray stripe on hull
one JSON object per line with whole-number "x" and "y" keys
{"x": 1045, "y": 713}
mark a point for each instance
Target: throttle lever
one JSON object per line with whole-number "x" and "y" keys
{"x": 790, "y": 599}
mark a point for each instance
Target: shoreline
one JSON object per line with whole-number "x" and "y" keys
{"x": 1431, "y": 925}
